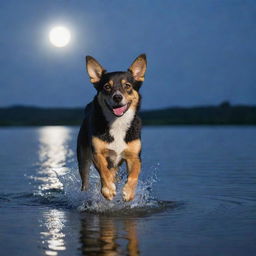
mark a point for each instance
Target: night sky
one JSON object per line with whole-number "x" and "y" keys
{"x": 200, "y": 52}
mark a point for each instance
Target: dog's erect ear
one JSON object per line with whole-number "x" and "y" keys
{"x": 138, "y": 68}
{"x": 94, "y": 69}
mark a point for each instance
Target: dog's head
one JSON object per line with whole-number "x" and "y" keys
{"x": 117, "y": 91}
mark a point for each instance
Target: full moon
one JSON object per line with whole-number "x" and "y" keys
{"x": 59, "y": 36}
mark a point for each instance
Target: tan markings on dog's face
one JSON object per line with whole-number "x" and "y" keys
{"x": 120, "y": 84}
{"x": 127, "y": 86}
{"x": 108, "y": 86}
{"x": 110, "y": 82}
{"x": 130, "y": 94}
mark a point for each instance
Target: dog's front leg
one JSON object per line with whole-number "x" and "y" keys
{"x": 108, "y": 188}
{"x": 133, "y": 166}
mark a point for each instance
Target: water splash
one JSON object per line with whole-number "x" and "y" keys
{"x": 69, "y": 195}
{"x": 93, "y": 201}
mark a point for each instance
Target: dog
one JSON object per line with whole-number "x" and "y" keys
{"x": 110, "y": 133}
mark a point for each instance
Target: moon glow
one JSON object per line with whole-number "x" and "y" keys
{"x": 59, "y": 36}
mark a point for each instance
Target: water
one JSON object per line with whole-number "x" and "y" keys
{"x": 196, "y": 196}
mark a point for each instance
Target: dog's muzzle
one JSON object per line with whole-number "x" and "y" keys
{"x": 118, "y": 110}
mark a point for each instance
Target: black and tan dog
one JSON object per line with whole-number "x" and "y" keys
{"x": 110, "y": 132}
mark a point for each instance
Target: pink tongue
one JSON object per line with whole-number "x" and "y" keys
{"x": 119, "y": 111}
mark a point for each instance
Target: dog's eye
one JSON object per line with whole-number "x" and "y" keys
{"x": 107, "y": 87}
{"x": 128, "y": 86}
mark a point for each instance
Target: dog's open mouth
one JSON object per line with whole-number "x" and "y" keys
{"x": 119, "y": 110}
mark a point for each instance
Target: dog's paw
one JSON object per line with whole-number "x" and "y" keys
{"x": 128, "y": 192}
{"x": 109, "y": 191}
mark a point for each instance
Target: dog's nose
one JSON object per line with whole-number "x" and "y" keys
{"x": 117, "y": 98}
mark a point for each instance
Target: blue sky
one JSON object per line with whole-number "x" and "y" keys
{"x": 200, "y": 52}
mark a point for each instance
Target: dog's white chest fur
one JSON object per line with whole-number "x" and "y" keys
{"x": 118, "y": 130}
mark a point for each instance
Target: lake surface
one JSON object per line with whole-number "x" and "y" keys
{"x": 196, "y": 196}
